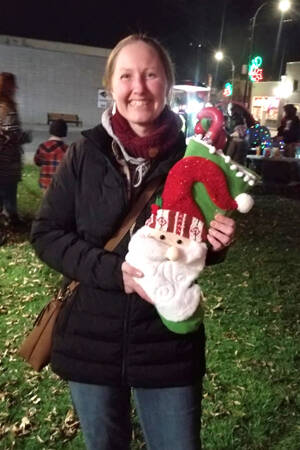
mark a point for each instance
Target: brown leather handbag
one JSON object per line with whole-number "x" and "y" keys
{"x": 36, "y": 348}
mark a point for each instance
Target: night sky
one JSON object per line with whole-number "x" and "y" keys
{"x": 190, "y": 29}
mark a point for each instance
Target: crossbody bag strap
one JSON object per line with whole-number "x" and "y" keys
{"x": 129, "y": 220}
{"x": 133, "y": 214}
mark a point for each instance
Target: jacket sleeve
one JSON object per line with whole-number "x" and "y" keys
{"x": 293, "y": 133}
{"x": 10, "y": 127}
{"x": 213, "y": 258}
{"x": 37, "y": 157}
{"x": 57, "y": 242}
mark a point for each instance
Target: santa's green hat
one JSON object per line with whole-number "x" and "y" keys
{"x": 239, "y": 181}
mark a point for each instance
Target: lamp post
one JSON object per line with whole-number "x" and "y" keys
{"x": 283, "y": 6}
{"x": 219, "y": 56}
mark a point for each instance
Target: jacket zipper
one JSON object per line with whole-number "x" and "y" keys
{"x": 125, "y": 341}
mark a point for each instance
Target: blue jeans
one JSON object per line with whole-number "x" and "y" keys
{"x": 170, "y": 417}
{"x": 8, "y": 198}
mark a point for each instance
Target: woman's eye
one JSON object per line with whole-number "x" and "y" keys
{"x": 151, "y": 75}
{"x": 162, "y": 237}
{"x": 179, "y": 241}
{"x": 124, "y": 76}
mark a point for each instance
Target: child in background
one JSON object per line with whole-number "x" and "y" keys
{"x": 50, "y": 153}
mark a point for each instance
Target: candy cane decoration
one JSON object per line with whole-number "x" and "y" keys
{"x": 215, "y": 135}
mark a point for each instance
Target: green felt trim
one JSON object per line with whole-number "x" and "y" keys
{"x": 235, "y": 185}
{"x": 158, "y": 201}
{"x": 206, "y": 123}
{"x": 189, "y": 325}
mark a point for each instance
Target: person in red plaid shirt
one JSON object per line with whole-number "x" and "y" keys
{"x": 50, "y": 153}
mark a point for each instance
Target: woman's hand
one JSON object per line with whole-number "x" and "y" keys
{"x": 130, "y": 285}
{"x": 221, "y": 232}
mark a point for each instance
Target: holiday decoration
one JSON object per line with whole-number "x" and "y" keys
{"x": 255, "y": 72}
{"x": 259, "y": 136}
{"x": 211, "y": 127}
{"x": 227, "y": 91}
{"x": 239, "y": 180}
{"x": 170, "y": 249}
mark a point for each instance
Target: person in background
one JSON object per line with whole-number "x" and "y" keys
{"x": 11, "y": 139}
{"x": 237, "y": 147}
{"x": 2, "y": 233}
{"x": 50, "y": 153}
{"x": 289, "y": 130}
{"x": 109, "y": 341}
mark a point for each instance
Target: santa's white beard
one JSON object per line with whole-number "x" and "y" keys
{"x": 169, "y": 284}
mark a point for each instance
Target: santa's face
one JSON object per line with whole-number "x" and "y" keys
{"x": 170, "y": 264}
{"x": 156, "y": 245}
{"x": 175, "y": 246}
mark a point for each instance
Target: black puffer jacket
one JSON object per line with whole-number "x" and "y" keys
{"x": 104, "y": 336}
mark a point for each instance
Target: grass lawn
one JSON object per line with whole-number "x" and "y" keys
{"x": 251, "y": 391}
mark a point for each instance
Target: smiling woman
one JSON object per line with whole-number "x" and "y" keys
{"x": 139, "y": 86}
{"x": 109, "y": 339}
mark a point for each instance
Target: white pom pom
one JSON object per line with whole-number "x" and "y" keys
{"x": 197, "y": 137}
{"x": 245, "y": 202}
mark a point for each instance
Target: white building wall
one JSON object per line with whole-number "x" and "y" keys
{"x": 293, "y": 77}
{"x": 264, "y": 88}
{"x": 54, "y": 77}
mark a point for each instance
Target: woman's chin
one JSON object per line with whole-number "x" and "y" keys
{"x": 142, "y": 126}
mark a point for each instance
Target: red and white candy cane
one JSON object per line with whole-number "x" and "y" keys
{"x": 215, "y": 135}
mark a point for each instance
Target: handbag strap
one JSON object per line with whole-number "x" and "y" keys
{"x": 129, "y": 220}
{"x": 133, "y": 213}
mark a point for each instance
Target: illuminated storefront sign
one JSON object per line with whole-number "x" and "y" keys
{"x": 265, "y": 108}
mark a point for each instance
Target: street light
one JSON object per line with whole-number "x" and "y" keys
{"x": 283, "y": 6}
{"x": 219, "y": 56}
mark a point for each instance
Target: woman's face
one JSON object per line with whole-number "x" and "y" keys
{"x": 139, "y": 86}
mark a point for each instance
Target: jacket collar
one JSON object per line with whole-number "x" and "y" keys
{"x": 101, "y": 139}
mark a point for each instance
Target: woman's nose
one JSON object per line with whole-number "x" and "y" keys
{"x": 138, "y": 83}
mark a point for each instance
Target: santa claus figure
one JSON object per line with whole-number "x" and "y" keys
{"x": 170, "y": 249}
{"x": 171, "y": 253}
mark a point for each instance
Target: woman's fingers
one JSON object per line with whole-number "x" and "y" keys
{"x": 215, "y": 243}
{"x": 130, "y": 270}
{"x": 221, "y": 232}
{"x": 130, "y": 284}
{"x": 224, "y": 224}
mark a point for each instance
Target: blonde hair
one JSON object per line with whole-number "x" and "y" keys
{"x": 160, "y": 50}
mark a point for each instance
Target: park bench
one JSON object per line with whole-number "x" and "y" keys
{"x": 69, "y": 118}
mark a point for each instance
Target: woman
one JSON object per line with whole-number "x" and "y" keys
{"x": 289, "y": 130}
{"x": 237, "y": 148}
{"x": 110, "y": 339}
{"x": 11, "y": 139}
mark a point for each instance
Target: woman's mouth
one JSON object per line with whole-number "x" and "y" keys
{"x": 138, "y": 103}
